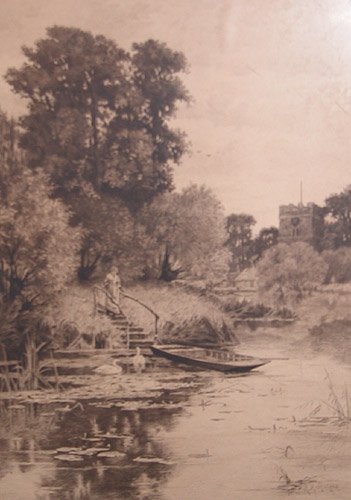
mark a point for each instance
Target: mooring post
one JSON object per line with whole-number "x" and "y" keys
{"x": 156, "y": 330}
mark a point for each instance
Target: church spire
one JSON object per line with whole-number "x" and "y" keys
{"x": 301, "y": 195}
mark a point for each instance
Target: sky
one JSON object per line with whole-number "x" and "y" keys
{"x": 270, "y": 81}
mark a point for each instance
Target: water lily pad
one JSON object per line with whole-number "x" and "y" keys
{"x": 111, "y": 454}
{"x": 67, "y": 449}
{"x": 68, "y": 458}
{"x": 99, "y": 449}
{"x": 117, "y": 436}
{"x": 153, "y": 460}
{"x": 93, "y": 440}
{"x": 89, "y": 452}
{"x": 81, "y": 453}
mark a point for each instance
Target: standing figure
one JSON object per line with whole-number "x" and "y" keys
{"x": 113, "y": 288}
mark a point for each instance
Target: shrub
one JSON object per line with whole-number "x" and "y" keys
{"x": 287, "y": 272}
{"x": 339, "y": 265}
{"x": 179, "y": 311}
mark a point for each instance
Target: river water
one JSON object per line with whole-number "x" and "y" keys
{"x": 281, "y": 431}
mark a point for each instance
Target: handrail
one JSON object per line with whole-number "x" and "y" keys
{"x": 141, "y": 303}
{"x": 148, "y": 308}
{"x": 108, "y": 295}
{"x": 157, "y": 317}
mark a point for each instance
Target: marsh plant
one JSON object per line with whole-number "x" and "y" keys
{"x": 31, "y": 373}
{"x": 339, "y": 404}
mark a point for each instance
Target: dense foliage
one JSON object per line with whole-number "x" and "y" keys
{"x": 98, "y": 124}
{"x": 287, "y": 272}
{"x": 99, "y": 116}
{"x": 267, "y": 238}
{"x": 339, "y": 265}
{"x": 239, "y": 241}
{"x": 38, "y": 247}
{"x": 337, "y": 231}
{"x": 186, "y": 232}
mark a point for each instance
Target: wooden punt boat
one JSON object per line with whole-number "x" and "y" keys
{"x": 208, "y": 358}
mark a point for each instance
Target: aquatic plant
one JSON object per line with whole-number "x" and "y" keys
{"x": 297, "y": 485}
{"x": 339, "y": 404}
{"x": 31, "y": 375}
{"x": 246, "y": 309}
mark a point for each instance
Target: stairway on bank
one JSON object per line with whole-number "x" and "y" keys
{"x": 132, "y": 335}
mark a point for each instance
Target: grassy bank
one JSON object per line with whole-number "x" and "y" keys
{"x": 185, "y": 314}
{"x": 324, "y": 318}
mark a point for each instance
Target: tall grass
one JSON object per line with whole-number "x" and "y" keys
{"x": 75, "y": 322}
{"x": 174, "y": 305}
{"x": 339, "y": 404}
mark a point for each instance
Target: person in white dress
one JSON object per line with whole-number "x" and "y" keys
{"x": 113, "y": 288}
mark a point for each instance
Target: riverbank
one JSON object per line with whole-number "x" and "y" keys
{"x": 322, "y": 326}
{"x": 74, "y": 314}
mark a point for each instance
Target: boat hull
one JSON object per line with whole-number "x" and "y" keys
{"x": 231, "y": 367}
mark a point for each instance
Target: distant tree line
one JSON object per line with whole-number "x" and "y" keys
{"x": 286, "y": 273}
{"x": 245, "y": 249}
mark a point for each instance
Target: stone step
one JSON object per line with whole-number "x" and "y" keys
{"x": 140, "y": 343}
{"x": 124, "y": 331}
{"x": 114, "y": 317}
{"x": 110, "y": 314}
{"x": 122, "y": 328}
{"x": 136, "y": 329}
{"x": 139, "y": 336}
{"x": 142, "y": 333}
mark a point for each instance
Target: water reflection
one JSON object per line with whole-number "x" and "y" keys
{"x": 194, "y": 437}
{"x": 91, "y": 450}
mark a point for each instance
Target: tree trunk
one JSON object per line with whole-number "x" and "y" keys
{"x": 96, "y": 174}
{"x": 87, "y": 267}
{"x": 167, "y": 273}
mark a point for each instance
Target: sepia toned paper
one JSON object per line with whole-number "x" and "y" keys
{"x": 266, "y": 124}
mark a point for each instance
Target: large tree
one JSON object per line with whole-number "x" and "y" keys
{"x": 267, "y": 238}
{"x": 158, "y": 90}
{"x": 38, "y": 248}
{"x": 337, "y": 232}
{"x": 239, "y": 240}
{"x": 72, "y": 81}
{"x": 187, "y": 233}
{"x": 99, "y": 116}
{"x": 98, "y": 124}
{"x": 110, "y": 234}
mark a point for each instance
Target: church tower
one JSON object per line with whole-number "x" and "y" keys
{"x": 301, "y": 223}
